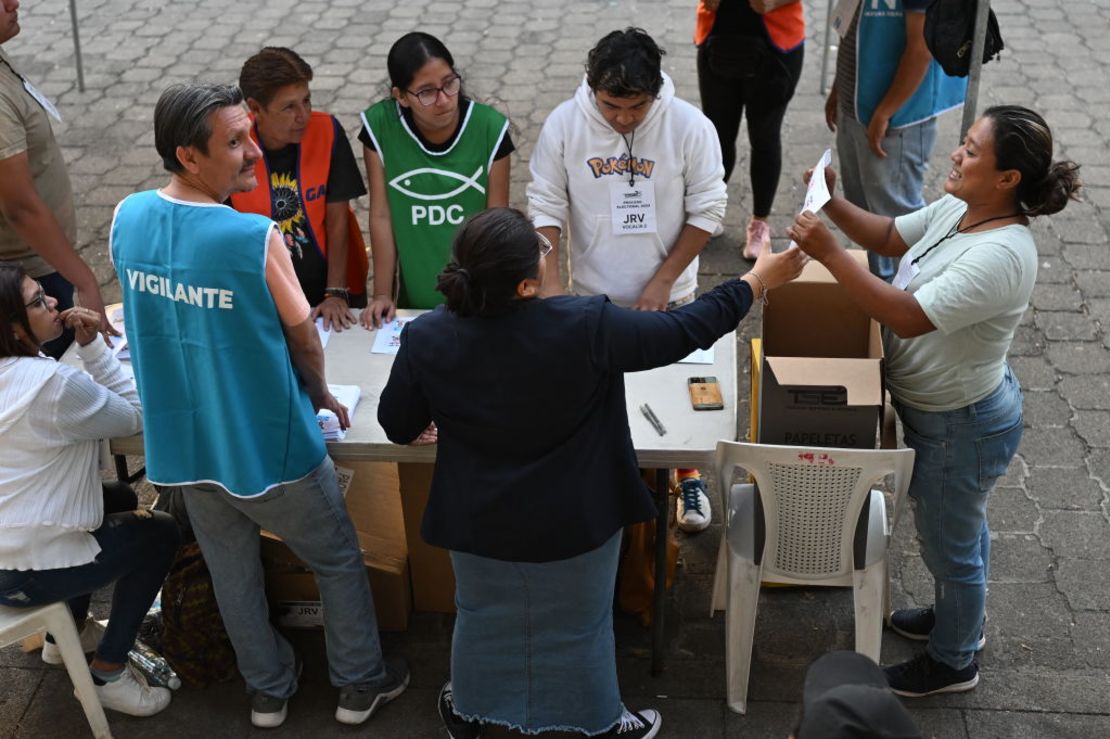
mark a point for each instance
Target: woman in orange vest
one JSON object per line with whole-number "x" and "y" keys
{"x": 749, "y": 61}
{"x": 307, "y": 177}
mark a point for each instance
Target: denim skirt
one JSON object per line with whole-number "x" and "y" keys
{"x": 533, "y": 648}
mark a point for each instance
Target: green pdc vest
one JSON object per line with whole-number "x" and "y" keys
{"x": 430, "y": 193}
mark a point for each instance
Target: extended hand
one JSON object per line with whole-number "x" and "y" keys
{"x": 813, "y": 236}
{"x": 381, "y": 310}
{"x": 778, "y": 269}
{"x": 335, "y": 312}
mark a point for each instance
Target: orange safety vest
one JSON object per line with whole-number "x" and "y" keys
{"x": 785, "y": 25}
{"x": 313, "y": 165}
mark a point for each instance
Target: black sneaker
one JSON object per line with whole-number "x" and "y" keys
{"x": 359, "y": 702}
{"x": 637, "y": 725}
{"x": 917, "y": 624}
{"x": 457, "y": 726}
{"x": 923, "y": 676}
{"x": 268, "y": 712}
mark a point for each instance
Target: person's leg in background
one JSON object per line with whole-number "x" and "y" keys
{"x": 766, "y": 100}
{"x": 722, "y": 101}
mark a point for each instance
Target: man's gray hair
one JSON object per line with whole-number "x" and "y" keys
{"x": 182, "y": 114}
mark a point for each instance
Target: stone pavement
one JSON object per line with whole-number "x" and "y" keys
{"x": 1046, "y": 668}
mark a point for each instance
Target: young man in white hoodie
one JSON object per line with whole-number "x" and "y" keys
{"x": 635, "y": 176}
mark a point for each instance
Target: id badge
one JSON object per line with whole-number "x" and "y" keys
{"x": 632, "y": 206}
{"x": 907, "y": 270}
{"x": 42, "y": 100}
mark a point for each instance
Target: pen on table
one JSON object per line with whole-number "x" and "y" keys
{"x": 649, "y": 414}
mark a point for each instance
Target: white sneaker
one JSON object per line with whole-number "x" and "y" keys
{"x": 90, "y": 638}
{"x": 693, "y": 510}
{"x": 132, "y": 695}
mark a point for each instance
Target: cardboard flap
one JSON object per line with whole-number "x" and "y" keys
{"x": 860, "y": 378}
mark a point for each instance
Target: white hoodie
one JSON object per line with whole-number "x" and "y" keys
{"x": 678, "y": 150}
{"x": 51, "y": 416}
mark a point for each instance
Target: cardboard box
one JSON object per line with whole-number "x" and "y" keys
{"x": 374, "y": 504}
{"x": 819, "y": 376}
{"x": 433, "y": 579}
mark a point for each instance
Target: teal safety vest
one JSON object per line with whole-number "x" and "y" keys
{"x": 431, "y": 193}
{"x": 880, "y": 41}
{"x": 221, "y": 400}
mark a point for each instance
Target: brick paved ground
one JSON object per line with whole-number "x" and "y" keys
{"x": 1046, "y": 669}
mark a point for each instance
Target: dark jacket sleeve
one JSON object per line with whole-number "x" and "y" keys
{"x": 403, "y": 408}
{"x": 631, "y": 341}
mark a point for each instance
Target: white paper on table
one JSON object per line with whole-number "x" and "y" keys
{"x": 349, "y": 396}
{"x": 698, "y": 356}
{"x": 817, "y": 192}
{"x": 324, "y": 333}
{"x": 387, "y": 339}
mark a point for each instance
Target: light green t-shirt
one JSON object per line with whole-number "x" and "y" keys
{"x": 25, "y": 128}
{"x": 974, "y": 288}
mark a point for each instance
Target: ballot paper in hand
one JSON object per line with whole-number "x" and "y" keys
{"x": 387, "y": 339}
{"x": 348, "y": 395}
{"x": 817, "y": 192}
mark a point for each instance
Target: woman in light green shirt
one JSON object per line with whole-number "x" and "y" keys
{"x": 968, "y": 265}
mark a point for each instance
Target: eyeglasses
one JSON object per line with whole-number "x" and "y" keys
{"x": 545, "y": 245}
{"x": 429, "y": 95}
{"x": 39, "y": 299}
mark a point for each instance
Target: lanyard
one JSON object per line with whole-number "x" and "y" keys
{"x": 957, "y": 230}
{"x": 631, "y": 167}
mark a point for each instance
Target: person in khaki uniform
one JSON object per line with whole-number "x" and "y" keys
{"x": 38, "y": 223}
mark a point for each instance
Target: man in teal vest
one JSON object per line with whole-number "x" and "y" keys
{"x": 883, "y": 106}
{"x": 231, "y": 372}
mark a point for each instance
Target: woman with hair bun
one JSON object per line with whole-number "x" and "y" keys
{"x": 968, "y": 265}
{"x": 528, "y": 396}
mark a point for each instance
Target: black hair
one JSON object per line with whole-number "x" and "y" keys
{"x": 411, "y": 52}
{"x": 1023, "y": 141}
{"x": 493, "y": 251}
{"x": 13, "y": 311}
{"x": 182, "y": 118}
{"x": 625, "y": 64}
{"x": 271, "y": 69}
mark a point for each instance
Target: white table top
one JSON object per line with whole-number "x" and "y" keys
{"x": 690, "y": 440}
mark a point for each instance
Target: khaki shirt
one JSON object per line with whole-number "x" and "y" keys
{"x": 25, "y": 127}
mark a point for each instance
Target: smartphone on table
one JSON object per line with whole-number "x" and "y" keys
{"x": 705, "y": 394}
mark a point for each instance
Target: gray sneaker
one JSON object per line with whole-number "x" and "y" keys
{"x": 359, "y": 702}
{"x": 268, "y": 712}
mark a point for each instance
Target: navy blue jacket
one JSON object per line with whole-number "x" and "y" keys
{"x": 535, "y": 460}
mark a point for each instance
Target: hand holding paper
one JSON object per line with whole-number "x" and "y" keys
{"x": 817, "y": 187}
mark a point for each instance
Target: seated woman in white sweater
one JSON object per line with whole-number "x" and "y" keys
{"x": 58, "y": 539}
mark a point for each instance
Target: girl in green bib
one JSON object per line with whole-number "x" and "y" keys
{"x": 433, "y": 157}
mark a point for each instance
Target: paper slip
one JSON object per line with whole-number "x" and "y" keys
{"x": 698, "y": 356}
{"x": 349, "y": 396}
{"x": 817, "y": 192}
{"x": 387, "y": 339}
{"x": 325, "y": 333}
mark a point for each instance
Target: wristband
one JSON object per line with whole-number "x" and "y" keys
{"x": 338, "y": 292}
{"x": 762, "y": 287}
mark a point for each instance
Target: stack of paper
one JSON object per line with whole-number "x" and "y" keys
{"x": 349, "y": 396}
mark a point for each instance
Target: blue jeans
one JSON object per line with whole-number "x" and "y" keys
{"x": 135, "y": 553}
{"x": 960, "y": 455}
{"x": 310, "y": 516}
{"x": 886, "y": 187}
{"x": 533, "y": 647}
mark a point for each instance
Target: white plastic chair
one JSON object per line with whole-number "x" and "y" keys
{"x": 19, "y": 623}
{"x": 806, "y": 526}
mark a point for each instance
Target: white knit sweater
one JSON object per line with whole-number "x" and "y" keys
{"x": 51, "y": 416}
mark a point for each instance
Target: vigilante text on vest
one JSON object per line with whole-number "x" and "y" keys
{"x": 202, "y": 297}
